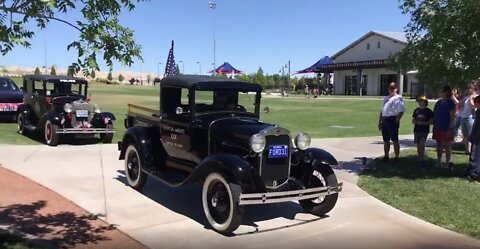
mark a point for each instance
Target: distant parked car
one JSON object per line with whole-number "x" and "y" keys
{"x": 10, "y": 97}
{"x": 57, "y": 105}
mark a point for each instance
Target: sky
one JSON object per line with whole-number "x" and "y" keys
{"x": 249, "y": 33}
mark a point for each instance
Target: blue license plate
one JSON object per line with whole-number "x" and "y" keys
{"x": 277, "y": 151}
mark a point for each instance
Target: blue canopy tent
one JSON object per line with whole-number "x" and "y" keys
{"x": 226, "y": 68}
{"x": 325, "y": 60}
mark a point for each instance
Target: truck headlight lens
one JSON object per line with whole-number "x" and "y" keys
{"x": 68, "y": 108}
{"x": 257, "y": 143}
{"x": 97, "y": 108}
{"x": 302, "y": 141}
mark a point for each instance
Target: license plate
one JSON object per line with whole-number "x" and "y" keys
{"x": 7, "y": 107}
{"x": 277, "y": 151}
{"x": 82, "y": 113}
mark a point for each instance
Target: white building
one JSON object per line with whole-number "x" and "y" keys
{"x": 365, "y": 59}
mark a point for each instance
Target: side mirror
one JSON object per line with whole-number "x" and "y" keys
{"x": 179, "y": 110}
{"x": 266, "y": 109}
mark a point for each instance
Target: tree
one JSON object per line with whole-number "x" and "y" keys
{"x": 259, "y": 78}
{"x": 37, "y": 71}
{"x": 109, "y": 76}
{"x": 121, "y": 78}
{"x": 177, "y": 68}
{"x": 71, "y": 71}
{"x": 443, "y": 40}
{"x": 92, "y": 74}
{"x": 53, "y": 71}
{"x": 149, "y": 78}
{"x": 98, "y": 26}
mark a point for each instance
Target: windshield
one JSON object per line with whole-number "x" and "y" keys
{"x": 62, "y": 88}
{"x": 224, "y": 101}
{"x": 7, "y": 85}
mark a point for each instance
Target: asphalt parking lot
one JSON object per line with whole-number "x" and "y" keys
{"x": 162, "y": 217}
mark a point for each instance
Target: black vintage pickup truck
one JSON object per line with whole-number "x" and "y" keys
{"x": 208, "y": 131}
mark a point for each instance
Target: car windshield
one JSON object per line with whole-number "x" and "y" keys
{"x": 63, "y": 88}
{"x": 224, "y": 101}
{"x": 7, "y": 85}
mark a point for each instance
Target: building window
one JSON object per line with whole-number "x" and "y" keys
{"x": 378, "y": 44}
{"x": 368, "y": 46}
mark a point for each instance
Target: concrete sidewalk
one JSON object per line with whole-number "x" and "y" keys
{"x": 162, "y": 217}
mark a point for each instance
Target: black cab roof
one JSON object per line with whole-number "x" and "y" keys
{"x": 55, "y": 78}
{"x": 208, "y": 83}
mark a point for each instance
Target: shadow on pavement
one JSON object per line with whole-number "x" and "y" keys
{"x": 62, "y": 230}
{"x": 68, "y": 139}
{"x": 187, "y": 200}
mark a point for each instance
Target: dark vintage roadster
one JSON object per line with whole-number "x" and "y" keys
{"x": 58, "y": 105}
{"x": 208, "y": 131}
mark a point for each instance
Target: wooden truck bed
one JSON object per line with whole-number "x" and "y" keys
{"x": 141, "y": 115}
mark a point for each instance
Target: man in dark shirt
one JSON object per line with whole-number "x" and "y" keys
{"x": 422, "y": 119}
{"x": 473, "y": 171}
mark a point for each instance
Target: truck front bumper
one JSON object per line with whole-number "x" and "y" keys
{"x": 293, "y": 195}
{"x": 84, "y": 130}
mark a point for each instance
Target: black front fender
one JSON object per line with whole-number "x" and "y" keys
{"x": 315, "y": 156}
{"x": 235, "y": 168}
{"x": 98, "y": 119}
{"x": 54, "y": 117}
{"x": 147, "y": 141}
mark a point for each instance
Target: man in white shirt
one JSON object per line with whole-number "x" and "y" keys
{"x": 393, "y": 108}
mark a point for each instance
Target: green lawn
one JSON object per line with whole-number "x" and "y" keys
{"x": 438, "y": 196}
{"x": 314, "y": 116}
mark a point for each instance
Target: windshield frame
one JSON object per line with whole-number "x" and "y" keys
{"x": 81, "y": 87}
{"x": 256, "y": 103}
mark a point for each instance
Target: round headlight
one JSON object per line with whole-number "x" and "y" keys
{"x": 68, "y": 108}
{"x": 257, "y": 143}
{"x": 97, "y": 108}
{"x": 302, "y": 141}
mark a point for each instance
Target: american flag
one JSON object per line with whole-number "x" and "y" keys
{"x": 170, "y": 69}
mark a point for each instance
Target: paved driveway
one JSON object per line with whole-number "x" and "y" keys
{"x": 161, "y": 217}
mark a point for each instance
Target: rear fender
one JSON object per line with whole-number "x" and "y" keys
{"x": 29, "y": 115}
{"x": 147, "y": 141}
{"x": 235, "y": 168}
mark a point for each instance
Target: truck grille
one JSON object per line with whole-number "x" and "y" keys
{"x": 81, "y": 106}
{"x": 275, "y": 171}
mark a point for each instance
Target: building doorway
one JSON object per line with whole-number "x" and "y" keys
{"x": 385, "y": 80}
{"x": 352, "y": 86}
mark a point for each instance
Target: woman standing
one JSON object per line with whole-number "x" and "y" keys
{"x": 444, "y": 116}
{"x": 466, "y": 114}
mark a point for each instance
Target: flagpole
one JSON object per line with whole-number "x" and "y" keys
{"x": 212, "y": 5}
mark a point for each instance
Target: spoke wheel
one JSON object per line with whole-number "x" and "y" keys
{"x": 220, "y": 203}
{"x": 50, "y": 132}
{"x": 21, "y": 124}
{"x": 133, "y": 168}
{"x": 321, "y": 176}
{"x": 107, "y": 137}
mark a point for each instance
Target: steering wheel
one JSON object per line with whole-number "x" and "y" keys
{"x": 241, "y": 108}
{"x": 75, "y": 92}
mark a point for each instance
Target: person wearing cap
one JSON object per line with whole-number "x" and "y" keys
{"x": 422, "y": 118}
{"x": 443, "y": 124}
{"x": 389, "y": 121}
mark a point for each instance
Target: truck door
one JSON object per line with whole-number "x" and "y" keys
{"x": 175, "y": 127}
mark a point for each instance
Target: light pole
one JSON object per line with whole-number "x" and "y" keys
{"x": 212, "y": 5}
{"x": 158, "y": 69}
{"x": 199, "y": 68}
{"x": 183, "y": 67}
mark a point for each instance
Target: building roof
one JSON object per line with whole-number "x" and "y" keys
{"x": 394, "y": 36}
{"x": 54, "y": 78}
{"x": 208, "y": 83}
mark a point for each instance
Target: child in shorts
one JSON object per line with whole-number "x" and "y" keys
{"x": 422, "y": 118}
